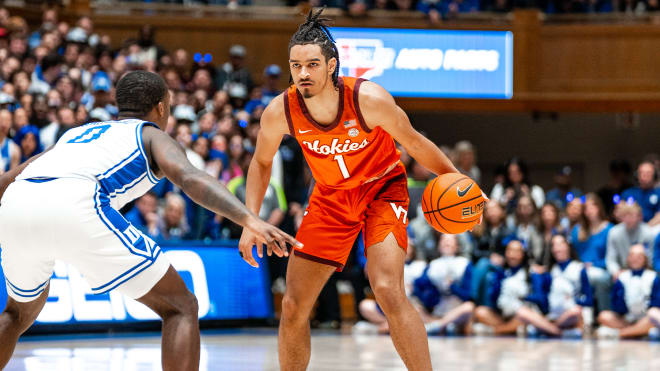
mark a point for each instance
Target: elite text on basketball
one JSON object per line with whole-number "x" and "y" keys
{"x": 470, "y": 211}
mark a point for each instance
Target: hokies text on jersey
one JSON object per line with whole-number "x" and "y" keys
{"x": 335, "y": 147}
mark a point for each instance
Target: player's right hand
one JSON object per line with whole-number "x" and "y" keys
{"x": 260, "y": 233}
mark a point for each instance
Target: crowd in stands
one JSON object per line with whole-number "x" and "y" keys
{"x": 551, "y": 262}
{"x": 437, "y": 10}
{"x": 559, "y": 262}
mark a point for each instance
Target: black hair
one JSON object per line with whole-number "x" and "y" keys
{"x": 620, "y": 165}
{"x": 49, "y": 61}
{"x": 138, "y": 92}
{"x": 314, "y": 31}
{"x": 523, "y": 169}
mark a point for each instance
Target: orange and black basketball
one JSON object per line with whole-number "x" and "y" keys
{"x": 453, "y": 203}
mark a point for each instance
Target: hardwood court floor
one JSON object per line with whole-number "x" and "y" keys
{"x": 257, "y": 350}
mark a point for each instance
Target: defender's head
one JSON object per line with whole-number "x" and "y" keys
{"x": 143, "y": 95}
{"x": 313, "y": 56}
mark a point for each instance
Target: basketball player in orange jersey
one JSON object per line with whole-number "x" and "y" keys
{"x": 346, "y": 128}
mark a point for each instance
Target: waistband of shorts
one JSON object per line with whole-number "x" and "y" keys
{"x": 39, "y": 179}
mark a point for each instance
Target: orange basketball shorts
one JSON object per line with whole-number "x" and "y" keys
{"x": 335, "y": 217}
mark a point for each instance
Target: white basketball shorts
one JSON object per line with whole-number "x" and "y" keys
{"x": 71, "y": 220}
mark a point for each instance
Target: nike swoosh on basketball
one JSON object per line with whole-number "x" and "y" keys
{"x": 463, "y": 192}
{"x": 303, "y": 131}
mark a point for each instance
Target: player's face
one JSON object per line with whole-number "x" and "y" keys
{"x": 309, "y": 69}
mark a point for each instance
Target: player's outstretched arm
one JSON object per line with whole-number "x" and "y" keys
{"x": 170, "y": 159}
{"x": 379, "y": 109}
{"x": 273, "y": 127}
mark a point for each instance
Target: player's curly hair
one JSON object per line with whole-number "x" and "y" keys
{"x": 138, "y": 92}
{"x": 315, "y": 31}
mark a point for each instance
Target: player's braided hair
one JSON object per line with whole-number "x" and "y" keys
{"x": 314, "y": 31}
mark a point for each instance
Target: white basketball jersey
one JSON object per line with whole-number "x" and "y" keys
{"x": 108, "y": 153}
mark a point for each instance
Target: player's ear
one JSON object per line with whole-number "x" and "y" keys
{"x": 161, "y": 109}
{"x": 332, "y": 65}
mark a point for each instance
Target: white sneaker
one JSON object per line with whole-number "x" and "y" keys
{"x": 481, "y": 329}
{"x": 605, "y": 332}
{"x": 365, "y": 328}
{"x": 654, "y": 334}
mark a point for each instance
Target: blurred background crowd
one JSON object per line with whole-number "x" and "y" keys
{"x": 437, "y": 10}
{"x": 558, "y": 258}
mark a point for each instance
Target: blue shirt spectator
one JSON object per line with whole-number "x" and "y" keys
{"x": 648, "y": 200}
{"x": 594, "y": 249}
{"x": 28, "y": 141}
{"x": 645, "y": 194}
{"x": 143, "y": 215}
{"x": 564, "y": 192}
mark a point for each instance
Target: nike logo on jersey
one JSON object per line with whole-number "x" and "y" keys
{"x": 335, "y": 147}
{"x": 303, "y": 131}
{"x": 463, "y": 192}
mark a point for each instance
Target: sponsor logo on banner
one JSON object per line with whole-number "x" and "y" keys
{"x": 429, "y": 63}
{"x": 70, "y": 297}
{"x": 369, "y": 58}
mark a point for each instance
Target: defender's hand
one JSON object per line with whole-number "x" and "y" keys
{"x": 260, "y": 233}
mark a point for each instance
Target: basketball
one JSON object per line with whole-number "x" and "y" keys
{"x": 452, "y": 203}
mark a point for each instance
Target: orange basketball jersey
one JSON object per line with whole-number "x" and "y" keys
{"x": 346, "y": 153}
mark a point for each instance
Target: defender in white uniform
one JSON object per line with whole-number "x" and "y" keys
{"x": 63, "y": 205}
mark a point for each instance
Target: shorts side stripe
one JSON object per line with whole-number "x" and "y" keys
{"x": 97, "y": 206}
{"x": 15, "y": 288}
{"x": 123, "y": 277}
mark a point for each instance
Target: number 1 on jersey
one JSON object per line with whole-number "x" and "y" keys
{"x": 342, "y": 166}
